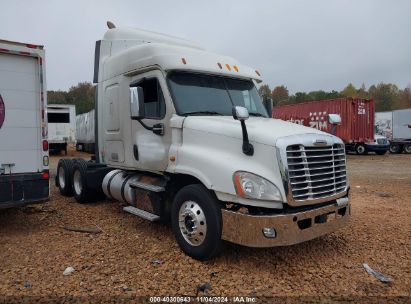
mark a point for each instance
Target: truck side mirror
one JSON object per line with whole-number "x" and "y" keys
{"x": 137, "y": 103}
{"x": 334, "y": 119}
{"x": 240, "y": 113}
{"x": 268, "y": 104}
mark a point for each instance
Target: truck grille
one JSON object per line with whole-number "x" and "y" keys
{"x": 316, "y": 172}
{"x": 382, "y": 141}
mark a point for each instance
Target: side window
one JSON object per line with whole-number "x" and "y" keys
{"x": 154, "y": 103}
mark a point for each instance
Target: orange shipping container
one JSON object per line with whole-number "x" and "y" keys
{"x": 357, "y": 117}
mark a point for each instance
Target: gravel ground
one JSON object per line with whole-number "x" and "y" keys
{"x": 134, "y": 257}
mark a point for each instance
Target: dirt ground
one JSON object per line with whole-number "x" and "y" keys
{"x": 133, "y": 257}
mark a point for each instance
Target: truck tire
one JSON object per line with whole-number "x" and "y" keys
{"x": 196, "y": 222}
{"x": 407, "y": 148}
{"x": 64, "y": 177}
{"x": 82, "y": 192}
{"x": 360, "y": 149}
{"x": 395, "y": 148}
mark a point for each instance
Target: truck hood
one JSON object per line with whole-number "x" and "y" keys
{"x": 260, "y": 130}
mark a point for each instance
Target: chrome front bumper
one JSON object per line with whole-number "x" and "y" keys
{"x": 293, "y": 228}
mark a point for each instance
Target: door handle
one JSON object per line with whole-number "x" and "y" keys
{"x": 135, "y": 152}
{"x": 158, "y": 129}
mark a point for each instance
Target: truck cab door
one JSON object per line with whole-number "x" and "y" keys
{"x": 151, "y": 147}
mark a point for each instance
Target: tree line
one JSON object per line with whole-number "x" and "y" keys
{"x": 387, "y": 96}
{"x": 82, "y": 96}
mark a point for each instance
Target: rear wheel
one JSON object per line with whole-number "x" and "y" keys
{"x": 83, "y": 193}
{"x": 360, "y": 149}
{"x": 407, "y": 148}
{"x": 395, "y": 148}
{"x": 64, "y": 176}
{"x": 196, "y": 222}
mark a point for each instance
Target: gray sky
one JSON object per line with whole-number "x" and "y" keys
{"x": 305, "y": 45}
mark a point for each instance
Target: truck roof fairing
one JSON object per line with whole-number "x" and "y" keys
{"x": 125, "y": 51}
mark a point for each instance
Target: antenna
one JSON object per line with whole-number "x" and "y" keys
{"x": 110, "y": 25}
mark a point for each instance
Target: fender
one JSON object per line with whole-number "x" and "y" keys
{"x": 214, "y": 158}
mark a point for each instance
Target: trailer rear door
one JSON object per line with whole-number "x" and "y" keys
{"x": 20, "y": 134}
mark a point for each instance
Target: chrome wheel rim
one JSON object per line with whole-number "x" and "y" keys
{"x": 78, "y": 187}
{"x": 360, "y": 149}
{"x": 192, "y": 223}
{"x": 62, "y": 180}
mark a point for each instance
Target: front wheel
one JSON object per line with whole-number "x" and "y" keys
{"x": 360, "y": 149}
{"x": 196, "y": 222}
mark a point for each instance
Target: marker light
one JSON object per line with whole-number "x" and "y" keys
{"x": 45, "y": 175}
{"x": 184, "y": 60}
{"x": 219, "y": 65}
{"x": 45, "y": 145}
{"x": 228, "y": 66}
{"x": 235, "y": 68}
{"x": 258, "y": 73}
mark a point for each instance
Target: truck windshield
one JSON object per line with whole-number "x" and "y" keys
{"x": 198, "y": 94}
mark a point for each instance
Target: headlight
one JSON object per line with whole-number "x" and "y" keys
{"x": 249, "y": 185}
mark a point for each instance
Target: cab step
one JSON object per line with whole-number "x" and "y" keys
{"x": 142, "y": 213}
{"x": 148, "y": 187}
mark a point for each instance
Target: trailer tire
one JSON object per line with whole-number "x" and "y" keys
{"x": 396, "y": 148}
{"x": 195, "y": 206}
{"x": 360, "y": 149}
{"x": 64, "y": 177}
{"x": 407, "y": 148}
{"x": 82, "y": 192}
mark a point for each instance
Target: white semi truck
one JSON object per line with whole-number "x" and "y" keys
{"x": 24, "y": 160}
{"x": 182, "y": 135}
{"x": 61, "y": 126}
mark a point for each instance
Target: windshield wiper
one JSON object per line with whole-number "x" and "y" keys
{"x": 256, "y": 114}
{"x": 201, "y": 113}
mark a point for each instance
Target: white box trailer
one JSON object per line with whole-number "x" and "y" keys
{"x": 24, "y": 161}
{"x": 85, "y": 132}
{"x": 61, "y": 126}
{"x": 396, "y": 126}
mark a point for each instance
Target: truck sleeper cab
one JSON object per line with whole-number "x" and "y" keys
{"x": 182, "y": 135}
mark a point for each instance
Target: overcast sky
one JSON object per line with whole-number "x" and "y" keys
{"x": 305, "y": 45}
